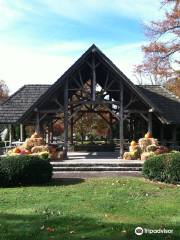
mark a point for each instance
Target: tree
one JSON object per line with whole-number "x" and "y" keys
{"x": 173, "y": 84}
{"x": 161, "y": 54}
{"x": 4, "y": 91}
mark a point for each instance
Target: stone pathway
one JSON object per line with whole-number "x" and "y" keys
{"x": 92, "y": 174}
{"x": 96, "y": 164}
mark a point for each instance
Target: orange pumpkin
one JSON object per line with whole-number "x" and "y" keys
{"x": 148, "y": 135}
{"x": 16, "y": 150}
{"x": 133, "y": 143}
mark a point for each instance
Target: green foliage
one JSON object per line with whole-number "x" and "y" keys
{"x": 93, "y": 147}
{"x": 24, "y": 170}
{"x": 164, "y": 167}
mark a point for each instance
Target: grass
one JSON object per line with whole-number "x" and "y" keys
{"x": 109, "y": 208}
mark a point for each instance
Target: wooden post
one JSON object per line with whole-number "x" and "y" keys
{"x": 65, "y": 119}
{"x": 93, "y": 78}
{"x": 72, "y": 122}
{"x": 174, "y": 135}
{"x": 51, "y": 130}
{"x": 121, "y": 121}
{"x": 48, "y": 133}
{"x": 37, "y": 126}
{"x": 150, "y": 122}
{"x": 110, "y": 127}
{"x": 21, "y": 132}
{"x": 10, "y": 135}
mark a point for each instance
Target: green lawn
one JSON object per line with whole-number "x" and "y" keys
{"x": 108, "y": 208}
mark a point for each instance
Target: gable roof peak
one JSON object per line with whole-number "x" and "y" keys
{"x": 93, "y": 48}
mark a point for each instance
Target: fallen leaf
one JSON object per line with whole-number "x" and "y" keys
{"x": 49, "y": 229}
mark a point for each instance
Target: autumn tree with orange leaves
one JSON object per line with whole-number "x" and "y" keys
{"x": 162, "y": 54}
{"x": 4, "y": 91}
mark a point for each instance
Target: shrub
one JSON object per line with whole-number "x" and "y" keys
{"x": 24, "y": 170}
{"x": 164, "y": 167}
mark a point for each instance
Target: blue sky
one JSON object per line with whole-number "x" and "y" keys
{"x": 40, "y": 39}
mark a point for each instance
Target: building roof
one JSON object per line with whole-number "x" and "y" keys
{"x": 22, "y": 103}
{"x": 19, "y": 103}
{"x": 166, "y": 101}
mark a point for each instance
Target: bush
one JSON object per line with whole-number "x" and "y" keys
{"x": 93, "y": 147}
{"x": 164, "y": 167}
{"x": 24, "y": 170}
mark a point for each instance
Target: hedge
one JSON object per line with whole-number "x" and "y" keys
{"x": 164, "y": 167}
{"x": 92, "y": 147}
{"x": 24, "y": 170}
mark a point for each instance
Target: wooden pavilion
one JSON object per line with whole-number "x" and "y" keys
{"x": 91, "y": 83}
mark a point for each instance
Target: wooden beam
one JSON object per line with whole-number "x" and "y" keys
{"x": 145, "y": 118}
{"x": 21, "y": 132}
{"x": 58, "y": 110}
{"x": 106, "y": 81}
{"x": 93, "y": 87}
{"x": 65, "y": 150}
{"x": 10, "y": 134}
{"x": 85, "y": 102}
{"x": 112, "y": 81}
{"x": 132, "y": 100}
{"x": 72, "y": 125}
{"x": 121, "y": 121}
{"x": 42, "y": 117}
{"x": 59, "y": 104}
{"x": 77, "y": 82}
{"x": 135, "y": 111}
{"x": 37, "y": 124}
{"x": 150, "y": 122}
{"x": 80, "y": 78}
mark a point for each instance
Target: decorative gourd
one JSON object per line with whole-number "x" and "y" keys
{"x": 148, "y": 135}
{"x": 16, "y": 150}
{"x": 133, "y": 143}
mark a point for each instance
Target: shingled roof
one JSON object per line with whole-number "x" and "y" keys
{"x": 164, "y": 100}
{"x": 20, "y": 102}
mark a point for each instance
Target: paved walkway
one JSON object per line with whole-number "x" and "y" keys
{"x": 95, "y": 158}
{"x": 92, "y": 174}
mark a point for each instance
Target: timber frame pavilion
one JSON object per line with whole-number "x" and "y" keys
{"x": 94, "y": 84}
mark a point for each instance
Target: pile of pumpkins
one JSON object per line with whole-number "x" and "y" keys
{"x": 144, "y": 148}
{"x": 34, "y": 145}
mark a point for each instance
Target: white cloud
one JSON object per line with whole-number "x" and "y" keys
{"x": 20, "y": 65}
{"x": 90, "y": 10}
{"x": 12, "y": 11}
{"x": 8, "y": 14}
{"x": 85, "y": 11}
